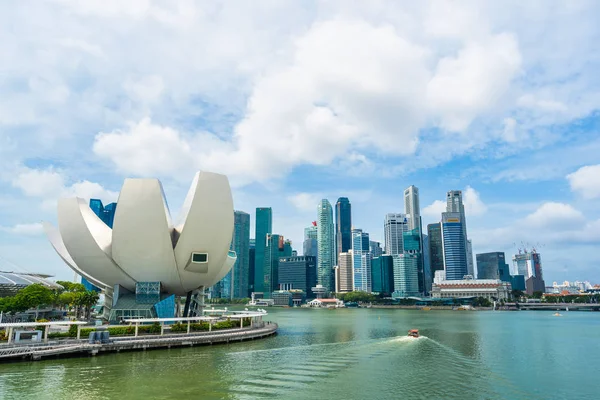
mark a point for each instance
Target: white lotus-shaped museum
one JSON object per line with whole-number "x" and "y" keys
{"x": 143, "y": 245}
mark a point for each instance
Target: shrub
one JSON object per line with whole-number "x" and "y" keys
{"x": 225, "y": 325}
{"x": 202, "y": 326}
{"x": 56, "y": 335}
{"x": 3, "y": 335}
{"x": 179, "y": 327}
{"x": 121, "y": 330}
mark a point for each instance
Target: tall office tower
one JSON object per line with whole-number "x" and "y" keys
{"x": 309, "y": 247}
{"x": 492, "y": 266}
{"x": 411, "y": 207}
{"x": 453, "y": 244}
{"x": 251, "y": 259}
{"x": 361, "y": 260}
{"x": 345, "y": 274}
{"x": 241, "y": 245}
{"x": 454, "y": 204}
{"x": 406, "y": 275}
{"x": 376, "y": 250}
{"x": 427, "y": 264}
{"x": 343, "y": 226}
{"x": 264, "y": 227}
{"x": 299, "y": 273}
{"x": 470, "y": 265}
{"x": 276, "y": 247}
{"x": 413, "y": 245}
{"x": 382, "y": 274}
{"x": 436, "y": 248}
{"x": 325, "y": 245}
{"x": 394, "y": 227}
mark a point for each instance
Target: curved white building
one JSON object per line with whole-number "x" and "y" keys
{"x": 144, "y": 245}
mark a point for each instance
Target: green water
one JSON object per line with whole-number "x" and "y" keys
{"x": 347, "y": 354}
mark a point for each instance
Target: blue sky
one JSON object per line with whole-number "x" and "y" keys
{"x": 297, "y": 101}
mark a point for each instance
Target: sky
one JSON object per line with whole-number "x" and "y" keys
{"x": 299, "y": 101}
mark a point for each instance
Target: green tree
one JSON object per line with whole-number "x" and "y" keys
{"x": 537, "y": 294}
{"x": 516, "y": 294}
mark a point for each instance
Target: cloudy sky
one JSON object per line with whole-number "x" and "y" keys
{"x": 298, "y": 101}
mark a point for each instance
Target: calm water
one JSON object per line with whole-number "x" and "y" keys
{"x": 347, "y": 354}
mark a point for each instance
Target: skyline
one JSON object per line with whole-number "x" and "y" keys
{"x": 447, "y": 97}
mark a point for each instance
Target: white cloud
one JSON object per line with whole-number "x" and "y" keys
{"x": 32, "y": 229}
{"x": 586, "y": 181}
{"x": 552, "y": 214}
{"x": 435, "y": 209}
{"x": 49, "y": 185}
{"x": 472, "y": 202}
{"x": 305, "y": 201}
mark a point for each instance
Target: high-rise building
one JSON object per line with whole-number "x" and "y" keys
{"x": 470, "y": 266}
{"x": 326, "y": 245}
{"x": 427, "y": 265}
{"x": 382, "y": 274}
{"x": 344, "y": 273}
{"x": 492, "y": 266}
{"x": 406, "y": 275}
{"x": 413, "y": 243}
{"x": 343, "y": 226}
{"x": 436, "y": 248}
{"x": 454, "y": 204}
{"x": 361, "y": 260}
{"x": 394, "y": 227}
{"x": 309, "y": 247}
{"x": 276, "y": 247}
{"x": 529, "y": 264}
{"x": 264, "y": 227}
{"x": 251, "y": 260}
{"x": 411, "y": 207}
{"x": 298, "y": 273}
{"x": 455, "y": 254}
{"x": 241, "y": 245}
{"x": 376, "y": 250}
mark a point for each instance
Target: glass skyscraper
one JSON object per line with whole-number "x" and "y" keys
{"x": 394, "y": 227}
{"x": 298, "y": 273}
{"x": 241, "y": 245}
{"x": 326, "y": 245}
{"x": 264, "y": 227}
{"x": 309, "y": 247}
{"x": 251, "y": 259}
{"x": 343, "y": 226}
{"x": 455, "y": 254}
{"x": 406, "y": 275}
{"x": 492, "y": 266}
{"x": 361, "y": 262}
{"x": 454, "y": 204}
{"x": 436, "y": 248}
{"x": 382, "y": 274}
{"x": 276, "y": 247}
{"x": 376, "y": 250}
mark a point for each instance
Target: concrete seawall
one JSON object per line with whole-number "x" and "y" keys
{"x": 140, "y": 343}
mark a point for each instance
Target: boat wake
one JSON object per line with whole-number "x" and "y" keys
{"x": 406, "y": 339}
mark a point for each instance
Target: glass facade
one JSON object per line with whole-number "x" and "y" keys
{"x": 251, "y": 259}
{"x": 492, "y": 266}
{"x": 165, "y": 308}
{"x": 361, "y": 263}
{"x": 298, "y": 273}
{"x": 276, "y": 248}
{"x": 105, "y": 213}
{"x": 455, "y": 253}
{"x": 264, "y": 227}
{"x": 436, "y": 247}
{"x": 147, "y": 292}
{"x": 406, "y": 275}
{"x": 325, "y": 245}
{"x": 394, "y": 227}
{"x": 343, "y": 226}
{"x": 236, "y": 283}
{"x": 382, "y": 274}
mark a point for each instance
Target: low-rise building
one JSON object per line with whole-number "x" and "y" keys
{"x": 326, "y": 303}
{"x": 491, "y": 289}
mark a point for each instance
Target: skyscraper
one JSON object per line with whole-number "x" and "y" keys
{"x": 361, "y": 263}
{"x": 394, "y": 227}
{"x": 454, "y": 204}
{"x": 345, "y": 275}
{"x": 492, "y": 266}
{"x": 529, "y": 265}
{"x": 276, "y": 247}
{"x": 411, "y": 207}
{"x": 264, "y": 227}
{"x": 406, "y": 275}
{"x": 309, "y": 247}
{"x": 382, "y": 274}
{"x": 241, "y": 245}
{"x": 436, "y": 248}
{"x": 326, "y": 245}
{"x": 470, "y": 265}
{"x": 298, "y": 272}
{"x": 376, "y": 250}
{"x": 251, "y": 260}
{"x": 455, "y": 254}
{"x": 343, "y": 226}
{"x": 413, "y": 245}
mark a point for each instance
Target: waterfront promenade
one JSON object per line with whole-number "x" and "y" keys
{"x": 73, "y": 347}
